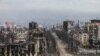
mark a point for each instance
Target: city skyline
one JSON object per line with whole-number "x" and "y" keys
{"x": 48, "y": 12}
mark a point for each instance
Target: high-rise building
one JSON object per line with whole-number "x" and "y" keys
{"x": 93, "y": 28}
{"x": 68, "y": 26}
{"x": 33, "y": 25}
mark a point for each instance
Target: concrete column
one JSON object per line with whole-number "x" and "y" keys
{"x": 5, "y": 51}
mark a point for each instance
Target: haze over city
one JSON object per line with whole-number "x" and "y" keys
{"x": 48, "y": 12}
{"x": 49, "y": 27}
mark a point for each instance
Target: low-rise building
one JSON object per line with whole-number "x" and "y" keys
{"x": 84, "y": 39}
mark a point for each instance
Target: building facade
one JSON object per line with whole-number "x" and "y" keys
{"x": 68, "y": 26}
{"x": 93, "y": 30}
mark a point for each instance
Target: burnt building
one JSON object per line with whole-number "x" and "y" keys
{"x": 95, "y": 21}
{"x": 33, "y": 25}
{"x": 68, "y": 26}
{"x": 2, "y": 50}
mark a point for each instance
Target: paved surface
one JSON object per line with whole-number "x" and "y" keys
{"x": 51, "y": 44}
{"x": 60, "y": 46}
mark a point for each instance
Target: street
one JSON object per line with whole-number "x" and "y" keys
{"x": 60, "y": 46}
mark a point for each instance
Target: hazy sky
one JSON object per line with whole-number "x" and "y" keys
{"x": 47, "y": 11}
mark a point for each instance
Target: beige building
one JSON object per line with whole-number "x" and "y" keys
{"x": 84, "y": 38}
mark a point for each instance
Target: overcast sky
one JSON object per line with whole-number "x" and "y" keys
{"x": 47, "y": 11}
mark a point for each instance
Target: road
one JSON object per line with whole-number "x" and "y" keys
{"x": 51, "y": 44}
{"x": 60, "y": 46}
